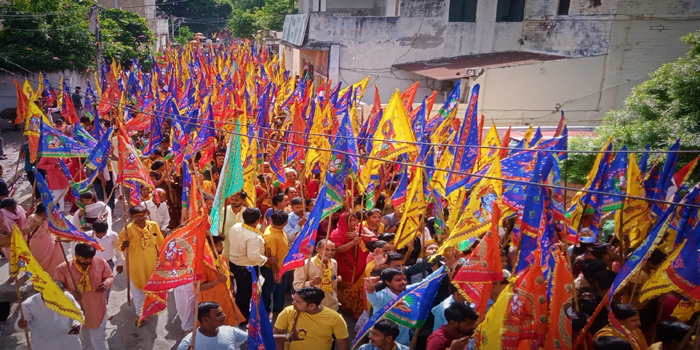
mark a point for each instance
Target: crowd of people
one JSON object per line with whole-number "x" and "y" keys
{"x": 358, "y": 265}
{"x": 356, "y": 270}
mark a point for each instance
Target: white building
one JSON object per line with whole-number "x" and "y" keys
{"x": 147, "y": 10}
{"x": 537, "y": 55}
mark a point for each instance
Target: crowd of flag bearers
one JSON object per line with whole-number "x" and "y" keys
{"x": 275, "y": 215}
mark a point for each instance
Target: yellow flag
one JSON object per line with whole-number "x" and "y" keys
{"x": 21, "y": 259}
{"x": 476, "y": 219}
{"x": 445, "y": 129}
{"x": 28, "y": 91}
{"x": 393, "y": 132}
{"x": 490, "y": 332}
{"x": 439, "y": 180}
{"x": 527, "y": 137}
{"x": 575, "y": 213}
{"x": 659, "y": 283}
{"x": 414, "y": 212}
{"x": 486, "y": 155}
{"x": 635, "y": 218}
{"x": 250, "y": 170}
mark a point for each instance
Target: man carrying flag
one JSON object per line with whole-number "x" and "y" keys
{"x": 94, "y": 277}
{"x": 142, "y": 254}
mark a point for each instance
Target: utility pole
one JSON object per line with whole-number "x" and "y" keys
{"x": 95, "y": 28}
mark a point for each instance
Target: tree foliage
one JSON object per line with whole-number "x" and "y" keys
{"x": 125, "y": 36}
{"x": 251, "y": 16}
{"x": 46, "y": 35}
{"x": 185, "y": 34}
{"x": 657, "y": 112}
{"x": 54, "y": 35}
{"x": 201, "y": 16}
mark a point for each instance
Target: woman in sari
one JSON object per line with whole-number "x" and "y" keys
{"x": 628, "y": 318}
{"x": 351, "y": 255}
{"x": 43, "y": 245}
{"x": 11, "y": 214}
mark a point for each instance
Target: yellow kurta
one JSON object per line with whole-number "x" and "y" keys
{"x": 144, "y": 245}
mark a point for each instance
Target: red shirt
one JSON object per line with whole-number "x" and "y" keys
{"x": 439, "y": 340}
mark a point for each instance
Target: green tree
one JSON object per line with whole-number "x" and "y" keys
{"x": 125, "y": 36}
{"x": 46, "y": 35}
{"x": 657, "y": 112}
{"x": 251, "y": 16}
{"x": 184, "y": 35}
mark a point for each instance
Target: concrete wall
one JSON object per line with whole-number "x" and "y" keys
{"x": 624, "y": 41}
{"x": 8, "y": 95}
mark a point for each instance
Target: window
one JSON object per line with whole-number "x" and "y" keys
{"x": 462, "y": 11}
{"x": 563, "y": 7}
{"x": 510, "y": 10}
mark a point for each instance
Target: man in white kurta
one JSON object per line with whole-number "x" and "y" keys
{"x": 47, "y": 329}
{"x": 159, "y": 212}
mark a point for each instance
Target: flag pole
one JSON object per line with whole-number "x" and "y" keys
{"x": 126, "y": 252}
{"x": 75, "y": 285}
{"x": 21, "y": 311}
{"x": 196, "y": 311}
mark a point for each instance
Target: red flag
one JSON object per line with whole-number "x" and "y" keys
{"x": 180, "y": 262}
{"x": 506, "y": 143}
{"x": 474, "y": 279}
{"x": 481, "y": 128}
{"x": 130, "y": 166}
{"x": 22, "y": 103}
{"x": 409, "y": 95}
{"x": 68, "y": 109}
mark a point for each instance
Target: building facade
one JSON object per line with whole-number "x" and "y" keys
{"x": 530, "y": 57}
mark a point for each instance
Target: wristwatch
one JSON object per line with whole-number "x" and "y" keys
{"x": 288, "y": 338}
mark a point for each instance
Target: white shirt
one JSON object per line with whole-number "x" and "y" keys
{"x": 158, "y": 213}
{"x": 47, "y": 329}
{"x": 247, "y": 248}
{"x": 230, "y": 220}
{"x": 228, "y": 338}
{"x": 109, "y": 243}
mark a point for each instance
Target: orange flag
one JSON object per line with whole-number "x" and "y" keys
{"x": 22, "y": 104}
{"x": 180, "y": 262}
{"x": 559, "y": 334}
{"x": 474, "y": 279}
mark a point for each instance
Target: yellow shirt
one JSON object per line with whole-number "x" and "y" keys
{"x": 320, "y": 328}
{"x": 144, "y": 245}
{"x": 275, "y": 245}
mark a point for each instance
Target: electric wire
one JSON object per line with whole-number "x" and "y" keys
{"x": 422, "y": 166}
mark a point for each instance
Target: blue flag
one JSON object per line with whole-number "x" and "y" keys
{"x": 637, "y": 260}
{"x": 615, "y": 182}
{"x": 259, "y": 328}
{"x": 58, "y": 224}
{"x": 410, "y": 309}
{"x": 97, "y": 159}
{"x": 301, "y": 249}
{"x": 55, "y": 144}
{"x": 683, "y": 272}
{"x": 665, "y": 178}
{"x": 342, "y": 164}
{"x": 643, "y": 162}
{"x": 465, "y": 157}
{"x": 83, "y": 136}
{"x": 419, "y": 131}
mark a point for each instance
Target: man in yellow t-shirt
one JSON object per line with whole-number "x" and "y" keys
{"x": 320, "y": 323}
{"x": 275, "y": 250}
